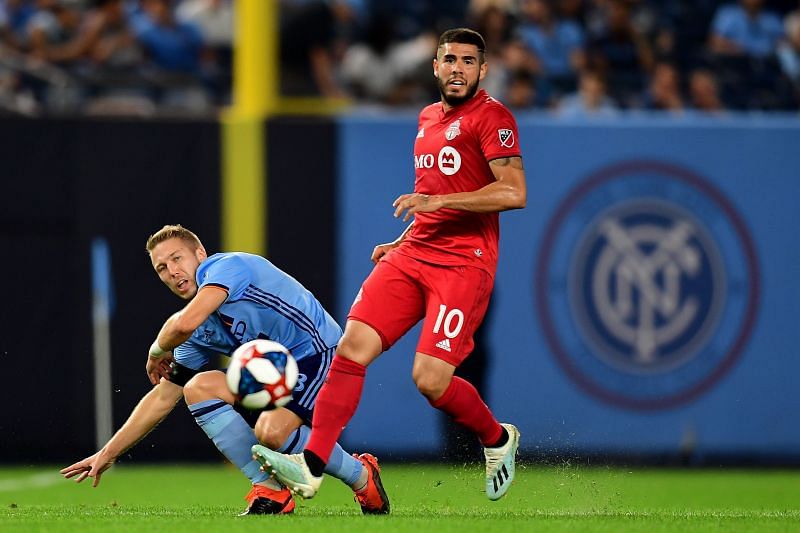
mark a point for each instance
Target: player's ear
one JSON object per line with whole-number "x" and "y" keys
{"x": 483, "y": 71}
{"x": 200, "y": 253}
{"x": 435, "y": 67}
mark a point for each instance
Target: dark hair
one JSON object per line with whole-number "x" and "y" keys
{"x": 464, "y": 36}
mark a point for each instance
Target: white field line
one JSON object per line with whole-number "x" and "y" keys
{"x": 35, "y": 481}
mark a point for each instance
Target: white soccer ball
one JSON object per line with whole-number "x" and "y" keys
{"x": 262, "y": 374}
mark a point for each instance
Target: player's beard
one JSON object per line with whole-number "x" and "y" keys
{"x": 454, "y": 101}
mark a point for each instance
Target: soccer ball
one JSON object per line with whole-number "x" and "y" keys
{"x": 262, "y": 374}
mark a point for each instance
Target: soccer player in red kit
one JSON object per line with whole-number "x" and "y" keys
{"x": 440, "y": 270}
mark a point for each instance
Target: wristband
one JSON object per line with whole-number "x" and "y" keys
{"x": 156, "y": 351}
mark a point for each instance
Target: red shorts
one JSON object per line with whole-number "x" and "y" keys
{"x": 401, "y": 291}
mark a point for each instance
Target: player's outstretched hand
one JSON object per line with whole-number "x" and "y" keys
{"x": 415, "y": 203}
{"x": 159, "y": 368}
{"x": 93, "y": 466}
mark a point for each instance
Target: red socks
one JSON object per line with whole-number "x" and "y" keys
{"x": 339, "y": 397}
{"x": 463, "y": 403}
{"x": 335, "y": 406}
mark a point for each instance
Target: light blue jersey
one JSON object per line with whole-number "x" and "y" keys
{"x": 263, "y": 303}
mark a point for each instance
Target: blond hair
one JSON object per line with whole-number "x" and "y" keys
{"x": 172, "y": 231}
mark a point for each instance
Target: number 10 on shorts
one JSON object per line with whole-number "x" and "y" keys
{"x": 448, "y": 317}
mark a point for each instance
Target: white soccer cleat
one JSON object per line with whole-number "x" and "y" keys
{"x": 291, "y": 470}
{"x": 500, "y": 464}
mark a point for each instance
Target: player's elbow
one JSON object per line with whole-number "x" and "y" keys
{"x": 517, "y": 200}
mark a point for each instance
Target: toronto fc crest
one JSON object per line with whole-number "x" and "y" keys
{"x": 453, "y": 130}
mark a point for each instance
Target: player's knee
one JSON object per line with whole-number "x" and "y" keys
{"x": 353, "y": 349}
{"x": 360, "y": 343}
{"x": 207, "y": 386}
{"x": 431, "y": 385}
{"x": 269, "y": 434}
{"x": 346, "y": 348}
{"x": 197, "y": 389}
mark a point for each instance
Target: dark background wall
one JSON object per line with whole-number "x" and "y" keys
{"x": 301, "y": 173}
{"x": 64, "y": 183}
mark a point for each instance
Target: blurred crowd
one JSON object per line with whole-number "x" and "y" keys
{"x": 115, "y": 56}
{"x": 573, "y": 57}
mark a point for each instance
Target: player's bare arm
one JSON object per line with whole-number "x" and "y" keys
{"x": 508, "y": 191}
{"x": 152, "y": 409}
{"x": 382, "y": 249}
{"x": 180, "y": 326}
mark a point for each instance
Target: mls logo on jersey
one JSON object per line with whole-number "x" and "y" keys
{"x": 647, "y": 285}
{"x": 506, "y": 137}
{"x": 453, "y": 130}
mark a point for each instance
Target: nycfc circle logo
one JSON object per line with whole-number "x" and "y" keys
{"x": 647, "y": 285}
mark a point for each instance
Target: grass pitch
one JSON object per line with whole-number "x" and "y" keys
{"x": 424, "y": 498}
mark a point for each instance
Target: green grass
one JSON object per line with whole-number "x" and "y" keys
{"x": 424, "y": 498}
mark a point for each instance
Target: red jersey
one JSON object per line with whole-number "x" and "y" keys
{"x": 452, "y": 154}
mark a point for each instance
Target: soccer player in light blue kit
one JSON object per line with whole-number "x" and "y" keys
{"x": 234, "y": 298}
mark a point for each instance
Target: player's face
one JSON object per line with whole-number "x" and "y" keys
{"x": 176, "y": 263}
{"x": 458, "y": 72}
